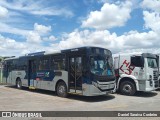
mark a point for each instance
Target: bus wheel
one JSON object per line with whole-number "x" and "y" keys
{"x": 19, "y": 83}
{"x": 61, "y": 89}
{"x": 127, "y": 88}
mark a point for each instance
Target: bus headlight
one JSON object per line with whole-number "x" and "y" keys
{"x": 95, "y": 84}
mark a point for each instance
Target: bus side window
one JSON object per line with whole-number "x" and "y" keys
{"x": 22, "y": 64}
{"x": 43, "y": 64}
{"x": 79, "y": 64}
{"x": 57, "y": 63}
{"x": 52, "y": 63}
{"x": 56, "y": 66}
{"x": 40, "y": 65}
{"x": 10, "y": 66}
{"x": 46, "y": 64}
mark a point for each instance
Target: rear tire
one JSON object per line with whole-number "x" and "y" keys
{"x": 19, "y": 83}
{"x": 61, "y": 89}
{"x": 127, "y": 88}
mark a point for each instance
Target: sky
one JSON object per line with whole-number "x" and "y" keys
{"x": 123, "y": 26}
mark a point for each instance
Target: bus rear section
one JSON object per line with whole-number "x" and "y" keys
{"x": 86, "y": 71}
{"x": 136, "y": 72}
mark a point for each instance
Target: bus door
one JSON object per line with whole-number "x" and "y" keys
{"x": 31, "y": 73}
{"x": 75, "y": 75}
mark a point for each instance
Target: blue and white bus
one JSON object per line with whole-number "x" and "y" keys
{"x": 86, "y": 71}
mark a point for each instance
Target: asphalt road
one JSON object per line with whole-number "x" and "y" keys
{"x": 12, "y": 99}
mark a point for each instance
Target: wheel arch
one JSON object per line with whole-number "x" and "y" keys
{"x": 60, "y": 80}
{"x": 135, "y": 82}
{"x": 61, "y": 91}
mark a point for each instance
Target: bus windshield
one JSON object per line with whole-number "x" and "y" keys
{"x": 152, "y": 63}
{"x": 101, "y": 65}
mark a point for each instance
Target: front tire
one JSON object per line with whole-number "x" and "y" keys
{"x": 127, "y": 88}
{"x": 19, "y": 84}
{"x": 61, "y": 89}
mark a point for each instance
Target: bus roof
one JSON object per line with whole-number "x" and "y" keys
{"x": 54, "y": 52}
{"x": 81, "y": 48}
{"x": 11, "y": 58}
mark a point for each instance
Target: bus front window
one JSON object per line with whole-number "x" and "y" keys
{"x": 152, "y": 63}
{"x": 101, "y": 66}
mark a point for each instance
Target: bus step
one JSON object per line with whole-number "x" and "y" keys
{"x": 31, "y": 87}
{"x": 77, "y": 92}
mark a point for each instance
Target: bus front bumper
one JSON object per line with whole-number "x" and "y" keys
{"x": 98, "y": 89}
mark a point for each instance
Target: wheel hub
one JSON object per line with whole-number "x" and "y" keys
{"x": 61, "y": 89}
{"x": 18, "y": 84}
{"x": 127, "y": 88}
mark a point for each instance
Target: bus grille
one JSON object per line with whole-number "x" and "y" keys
{"x": 105, "y": 79}
{"x": 156, "y": 84}
{"x": 155, "y": 77}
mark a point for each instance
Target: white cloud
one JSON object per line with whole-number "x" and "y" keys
{"x": 10, "y": 46}
{"x": 103, "y": 1}
{"x": 41, "y": 29}
{"x": 53, "y": 12}
{"x": 3, "y": 12}
{"x": 136, "y": 40}
{"x": 7, "y": 43}
{"x": 132, "y": 41}
{"x": 33, "y": 37}
{"x": 152, "y": 20}
{"x": 52, "y": 38}
{"x": 110, "y": 15}
{"x": 103, "y": 38}
{"x": 49, "y": 39}
{"x": 36, "y": 36}
{"x": 140, "y": 50}
{"x": 9, "y": 29}
{"x": 151, "y": 14}
{"x": 37, "y": 8}
{"x": 153, "y": 5}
